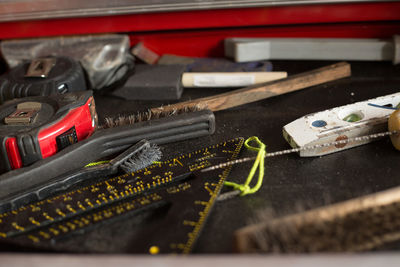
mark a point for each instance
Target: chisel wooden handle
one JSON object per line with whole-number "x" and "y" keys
{"x": 265, "y": 90}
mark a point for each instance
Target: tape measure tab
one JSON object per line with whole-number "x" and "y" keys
{"x": 25, "y": 114}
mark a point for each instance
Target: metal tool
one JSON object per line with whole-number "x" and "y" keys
{"x": 174, "y": 184}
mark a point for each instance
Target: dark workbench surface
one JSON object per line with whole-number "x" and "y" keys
{"x": 291, "y": 183}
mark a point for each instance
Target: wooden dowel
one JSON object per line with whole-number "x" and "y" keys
{"x": 262, "y": 91}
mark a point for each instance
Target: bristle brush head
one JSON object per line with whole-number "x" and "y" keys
{"x": 350, "y": 226}
{"x": 136, "y": 157}
{"x": 148, "y": 115}
{"x": 143, "y": 158}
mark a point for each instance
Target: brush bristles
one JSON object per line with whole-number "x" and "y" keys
{"x": 361, "y": 230}
{"x": 142, "y": 159}
{"x": 148, "y": 115}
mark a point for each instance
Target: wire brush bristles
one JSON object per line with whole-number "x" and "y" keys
{"x": 359, "y": 224}
{"x": 142, "y": 159}
{"x": 148, "y": 115}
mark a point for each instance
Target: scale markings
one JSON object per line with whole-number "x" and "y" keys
{"x": 52, "y": 218}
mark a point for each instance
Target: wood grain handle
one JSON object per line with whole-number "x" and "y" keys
{"x": 262, "y": 91}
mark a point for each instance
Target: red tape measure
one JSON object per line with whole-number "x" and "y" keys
{"x": 35, "y": 128}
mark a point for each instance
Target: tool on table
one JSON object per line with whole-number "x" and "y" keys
{"x": 42, "y": 77}
{"x": 158, "y": 128}
{"x": 106, "y": 142}
{"x": 253, "y": 49}
{"x": 360, "y": 224}
{"x": 175, "y": 185}
{"x": 340, "y": 123}
{"x": 258, "y": 92}
{"x": 166, "y": 82}
{"x": 136, "y": 157}
{"x": 34, "y": 128}
{"x": 343, "y": 135}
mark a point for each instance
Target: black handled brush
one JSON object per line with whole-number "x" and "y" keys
{"x": 134, "y": 158}
{"x": 106, "y": 142}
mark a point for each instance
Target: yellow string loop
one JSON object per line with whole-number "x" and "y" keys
{"x": 245, "y": 188}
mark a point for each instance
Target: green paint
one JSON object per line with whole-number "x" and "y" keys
{"x": 352, "y": 118}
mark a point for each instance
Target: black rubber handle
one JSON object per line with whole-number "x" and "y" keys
{"x": 104, "y": 143}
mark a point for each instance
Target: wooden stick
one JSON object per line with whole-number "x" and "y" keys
{"x": 258, "y": 92}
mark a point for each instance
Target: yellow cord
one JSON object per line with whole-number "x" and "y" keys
{"x": 258, "y": 163}
{"x": 97, "y": 163}
{"x": 107, "y": 161}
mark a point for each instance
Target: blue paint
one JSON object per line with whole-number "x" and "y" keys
{"x": 379, "y": 106}
{"x": 319, "y": 123}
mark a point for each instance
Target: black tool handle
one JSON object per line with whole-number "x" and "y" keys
{"x": 67, "y": 180}
{"x": 104, "y": 143}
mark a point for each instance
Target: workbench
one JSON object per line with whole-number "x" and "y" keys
{"x": 291, "y": 183}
